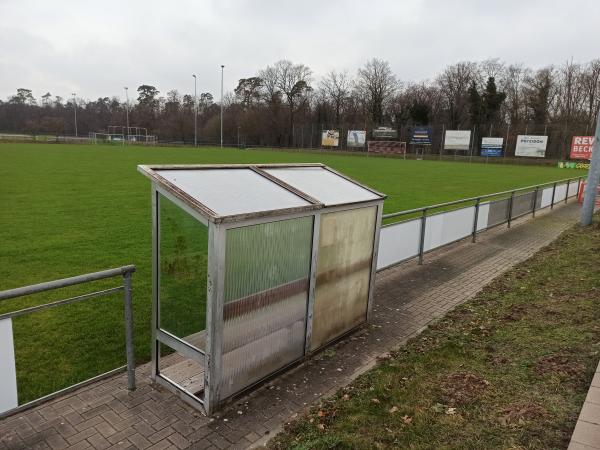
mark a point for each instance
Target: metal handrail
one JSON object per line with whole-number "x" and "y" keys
{"x": 56, "y": 284}
{"x": 422, "y": 214}
{"x": 126, "y": 272}
{"x": 472, "y": 199}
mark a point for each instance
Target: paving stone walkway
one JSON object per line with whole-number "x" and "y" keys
{"x": 586, "y": 435}
{"x": 408, "y": 298}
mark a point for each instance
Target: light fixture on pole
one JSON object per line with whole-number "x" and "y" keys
{"x": 127, "y": 109}
{"x": 195, "y": 113}
{"x": 222, "y": 67}
{"x": 75, "y": 111}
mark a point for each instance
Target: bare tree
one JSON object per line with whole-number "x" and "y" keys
{"x": 336, "y": 86}
{"x": 591, "y": 90}
{"x": 454, "y": 83}
{"x": 376, "y": 84}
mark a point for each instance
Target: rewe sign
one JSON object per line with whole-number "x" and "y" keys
{"x": 581, "y": 147}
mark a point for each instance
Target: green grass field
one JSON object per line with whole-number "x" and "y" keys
{"x": 73, "y": 209}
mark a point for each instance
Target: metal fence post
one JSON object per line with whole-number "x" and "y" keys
{"x": 129, "y": 344}
{"x": 476, "y": 219}
{"x": 553, "y": 192}
{"x": 535, "y": 197}
{"x": 510, "y": 207}
{"x": 567, "y": 193}
{"x": 422, "y": 241}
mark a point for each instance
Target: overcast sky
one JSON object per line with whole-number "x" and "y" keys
{"x": 95, "y": 48}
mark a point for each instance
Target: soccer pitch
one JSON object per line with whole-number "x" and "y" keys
{"x": 73, "y": 209}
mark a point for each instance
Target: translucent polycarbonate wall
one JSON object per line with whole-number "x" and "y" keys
{"x": 398, "y": 242}
{"x": 183, "y": 251}
{"x": 344, "y": 260}
{"x": 267, "y": 268}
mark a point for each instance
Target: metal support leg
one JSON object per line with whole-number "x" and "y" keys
{"x": 567, "y": 193}
{"x": 129, "y": 344}
{"x": 474, "y": 237}
{"x": 510, "y": 207}
{"x": 422, "y": 241}
{"x": 535, "y": 197}
{"x": 553, "y": 193}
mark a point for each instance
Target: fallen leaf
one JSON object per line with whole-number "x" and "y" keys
{"x": 407, "y": 419}
{"x": 438, "y": 407}
{"x": 321, "y": 413}
{"x": 451, "y": 411}
{"x": 393, "y": 409}
{"x": 345, "y": 397}
{"x": 375, "y": 400}
{"x": 321, "y": 426}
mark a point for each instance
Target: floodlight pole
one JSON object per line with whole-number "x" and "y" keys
{"x": 222, "y": 67}
{"x": 127, "y": 110}
{"x": 75, "y": 111}
{"x": 195, "y": 113}
{"x": 591, "y": 187}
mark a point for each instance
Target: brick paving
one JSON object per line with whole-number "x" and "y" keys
{"x": 408, "y": 298}
{"x": 587, "y": 430}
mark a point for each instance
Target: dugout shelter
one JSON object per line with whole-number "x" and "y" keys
{"x": 254, "y": 268}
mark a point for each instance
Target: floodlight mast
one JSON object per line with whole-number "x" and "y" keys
{"x": 75, "y": 111}
{"x": 127, "y": 110}
{"x": 591, "y": 187}
{"x": 195, "y": 113}
{"x": 222, "y": 67}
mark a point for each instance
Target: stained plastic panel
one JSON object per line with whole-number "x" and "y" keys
{"x": 443, "y": 228}
{"x": 267, "y": 268}
{"x": 398, "y": 242}
{"x": 233, "y": 191}
{"x": 498, "y": 212}
{"x": 323, "y": 185}
{"x": 343, "y": 273}
{"x": 522, "y": 204}
{"x": 183, "y": 272}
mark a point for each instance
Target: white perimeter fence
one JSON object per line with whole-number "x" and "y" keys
{"x": 425, "y": 229}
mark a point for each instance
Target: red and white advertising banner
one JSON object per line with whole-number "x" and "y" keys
{"x": 581, "y": 147}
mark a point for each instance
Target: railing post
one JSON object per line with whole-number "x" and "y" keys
{"x": 567, "y": 193}
{"x": 553, "y": 192}
{"x": 129, "y": 344}
{"x": 475, "y": 220}
{"x": 422, "y": 241}
{"x": 535, "y": 197}
{"x": 510, "y": 207}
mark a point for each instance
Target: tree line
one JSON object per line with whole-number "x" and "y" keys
{"x": 285, "y": 105}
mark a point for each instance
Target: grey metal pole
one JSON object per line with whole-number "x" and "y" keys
{"x": 222, "y": 67}
{"x": 127, "y": 110}
{"x": 510, "y": 207}
{"x": 553, "y": 194}
{"x": 129, "y": 344}
{"x": 591, "y": 187}
{"x": 75, "y": 110}
{"x": 195, "y": 113}
{"x": 422, "y": 237}
{"x": 475, "y": 220}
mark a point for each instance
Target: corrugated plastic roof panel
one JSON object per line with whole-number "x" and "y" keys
{"x": 232, "y": 191}
{"x": 323, "y": 185}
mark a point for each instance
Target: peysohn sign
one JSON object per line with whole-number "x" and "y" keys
{"x": 581, "y": 147}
